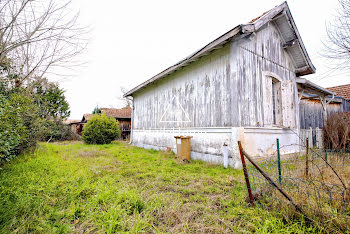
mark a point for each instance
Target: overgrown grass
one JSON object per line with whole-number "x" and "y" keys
{"x": 73, "y": 187}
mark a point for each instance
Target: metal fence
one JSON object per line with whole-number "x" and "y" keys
{"x": 314, "y": 184}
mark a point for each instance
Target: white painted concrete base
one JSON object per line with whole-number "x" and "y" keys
{"x": 260, "y": 142}
{"x": 207, "y": 143}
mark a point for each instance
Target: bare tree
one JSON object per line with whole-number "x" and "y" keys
{"x": 37, "y": 36}
{"x": 127, "y": 101}
{"x": 338, "y": 42}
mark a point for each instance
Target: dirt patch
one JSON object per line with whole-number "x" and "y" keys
{"x": 84, "y": 227}
{"x": 91, "y": 154}
{"x": 108, "y": 168}
{"x": 66, "y": 142}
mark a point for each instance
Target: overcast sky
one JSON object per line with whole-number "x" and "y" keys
{"x": 131, "y": 41}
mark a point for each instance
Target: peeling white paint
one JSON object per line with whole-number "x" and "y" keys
{"x": 223, "y": 96}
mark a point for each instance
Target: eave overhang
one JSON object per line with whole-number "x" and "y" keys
{"x": 312, "y": 88}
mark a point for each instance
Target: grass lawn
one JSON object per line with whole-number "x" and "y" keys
{"x": 78, "y": 188}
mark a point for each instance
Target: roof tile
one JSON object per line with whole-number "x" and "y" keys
{"x": 341, "y": 90}
{"x": 117, "y": 113}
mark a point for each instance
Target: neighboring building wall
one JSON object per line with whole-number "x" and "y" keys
{"x": 346, "y": 105}
{"x": 125, "y": 127}
{"x": 311, "y": 111}
{"x": 314, "y": 135}
{"x": 223, "y": 91}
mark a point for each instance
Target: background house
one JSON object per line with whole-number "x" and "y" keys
{"x": 241, "y": 86}
{"x": 123, "y": 116}
{"x": 77, "y": 125}
{"x": 74, "y": 125}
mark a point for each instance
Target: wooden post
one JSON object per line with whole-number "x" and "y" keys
{"x": 307, "y": 158}
{"x": 324, "y": 108}
{"x": 324, "y": 105}
{"x": 251, "y": 200}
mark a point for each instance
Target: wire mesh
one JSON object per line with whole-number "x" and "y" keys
{"x": 317, "y": 182}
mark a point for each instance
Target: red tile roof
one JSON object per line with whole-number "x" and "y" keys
{"x": 117, "y": 113}
{"x": 341, "y": 90}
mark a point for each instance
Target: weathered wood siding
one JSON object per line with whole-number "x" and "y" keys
{"x": 263, "y": 54}
{"x": 222, "y": 89}
{"x": 201, "y": 89}
{"x": 346, "y": 105}
{"x": 311, "y": 112}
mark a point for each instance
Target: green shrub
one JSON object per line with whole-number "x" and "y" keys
{"x": 17, "y": 125}
{"x": 55, "y": 130}
{"x": 100, "y": 129}
{"x": 11, "y": 127}
{"x": 21, "y": 126}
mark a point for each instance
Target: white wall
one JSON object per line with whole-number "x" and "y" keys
{"x": 261, "y": 142}
{"x": 207, "y": 143}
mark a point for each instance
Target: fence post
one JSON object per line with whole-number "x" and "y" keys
{"x": 307, "y": 158}
{"x": 246, "y": 174}
{"x": 325, "y": 156}
{"x": 279, "y": 162}
{"x": 268, "y": 178}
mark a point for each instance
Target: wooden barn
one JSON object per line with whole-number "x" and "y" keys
{"x": 242, "y": 86}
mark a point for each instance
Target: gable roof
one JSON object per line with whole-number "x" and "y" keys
{"x": 117, "y": 113}
{"x": 341, "y": 90}
{"x": 283, "y": 19}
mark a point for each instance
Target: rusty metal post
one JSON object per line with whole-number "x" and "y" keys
{"x": 245, "y": 171}
{"x": 268, "y": 178}
{"x": 307, "y": 158}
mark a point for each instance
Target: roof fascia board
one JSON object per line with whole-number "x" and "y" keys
{"x": 300, "y": 41}
{"x": 279, "y": 11}
{"x": 212, "y": 45}
{"x": 310, "y": 86}
{"x": 265, "y": 18}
